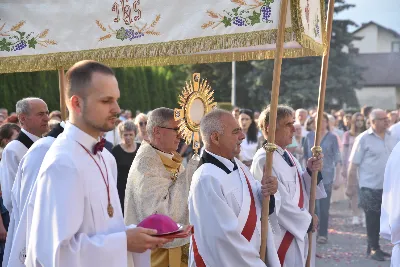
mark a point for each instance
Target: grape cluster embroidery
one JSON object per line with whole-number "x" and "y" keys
{"x": 243, "y": 15}
{"x": 129, "y": 32}
{"x": 15, "y": 40}
{"x": 307, "y": 13}
{"x": 316, "y": 26}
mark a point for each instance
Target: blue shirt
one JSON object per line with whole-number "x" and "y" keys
{"x": 330, "y": 148}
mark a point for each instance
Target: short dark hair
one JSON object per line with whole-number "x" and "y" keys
{"x": 366, "y": 110}
{"x": 6, "y": 132}
{"x": 79, "y": 76}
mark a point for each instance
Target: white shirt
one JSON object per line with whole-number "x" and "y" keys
{"x": 113, "y": 137}
{"x": 248, "y": 150}
{"x": 390, "y": 211}
{"x": 28, "y": 170}
{"x": 395, "y": 130}
{"x": 26, "y": 176}
{"x": 390, "y": 216}
{"x": 70, "y": 224}
{"x": 12, "y": 155}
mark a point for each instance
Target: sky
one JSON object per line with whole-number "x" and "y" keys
{"x": 383, "y": 12}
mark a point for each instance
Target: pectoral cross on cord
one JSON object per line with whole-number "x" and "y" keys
{"x": 110, "y": 209}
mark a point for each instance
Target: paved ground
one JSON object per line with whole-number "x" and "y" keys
{"x": 347, "y": 243}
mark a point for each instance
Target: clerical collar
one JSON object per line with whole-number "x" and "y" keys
{"x": 280, "y": 150}
{"x": 168, "y": 155}
{"x": 80, "y": 136}
{"x": 229, "y": 164}
{"x": 33, "y": 137}
{"x": 56, "y": 131}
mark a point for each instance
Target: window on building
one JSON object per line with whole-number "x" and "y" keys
{"x": 396, "y": 47}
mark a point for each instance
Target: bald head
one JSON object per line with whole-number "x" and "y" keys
{"x": 79, "y": 77}
{"x": 33, "y": 115}
{"x": 221, "y": 133}
{"x": 24, "y": 106}
{"x": 211, "y": 123}
{"x": 379, "y": 120}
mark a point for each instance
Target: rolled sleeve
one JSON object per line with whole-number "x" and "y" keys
{"x": 357, "y": 152}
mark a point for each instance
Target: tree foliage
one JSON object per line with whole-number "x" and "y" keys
{"x": 142, "y": 88}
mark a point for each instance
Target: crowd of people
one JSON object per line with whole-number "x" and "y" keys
{"x": 73, "y": 190}
{"x": 356, "y": 148}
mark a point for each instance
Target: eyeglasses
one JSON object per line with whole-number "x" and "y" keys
{"x": 382, "y": 119}
{"x": 143, "y": 123}
{"x": 174, "y": 129}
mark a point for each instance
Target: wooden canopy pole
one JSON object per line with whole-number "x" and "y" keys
{"x": 271, "y": 147}
{"x": 320, "y": 115}
{"x": 61, "y": 82}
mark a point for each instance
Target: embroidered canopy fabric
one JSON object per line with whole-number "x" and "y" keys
{"x": 49, "y": 34}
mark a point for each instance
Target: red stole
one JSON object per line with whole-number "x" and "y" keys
{"x": 288, "y": 237}
{"x": 247, "y": 232}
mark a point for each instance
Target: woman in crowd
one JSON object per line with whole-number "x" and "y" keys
{"x": 8, "y": 132}
{"x": 356, "y": 127}
{"x": 347, "y": 121}
{"x": 124, "y": 154}
{"x": 141, "y": 123}
{"x": 330, "y": 170}
{"x": 250, "y": 130}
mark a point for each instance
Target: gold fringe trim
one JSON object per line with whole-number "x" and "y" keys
{"x": 40, "y": 63}
{"x": 179, "y": 52}
{"x": 297, "y": 24}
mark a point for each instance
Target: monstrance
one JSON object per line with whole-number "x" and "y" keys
{"x": 196, "y": 100}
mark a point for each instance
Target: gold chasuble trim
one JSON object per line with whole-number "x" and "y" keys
{"x": 172, "y": 165}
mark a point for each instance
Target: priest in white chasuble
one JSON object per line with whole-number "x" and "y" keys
{"x": 225, "y": 201}
{"x": 390, "y": 211}
{"x": 159, "y": 183}
{"x": 77, "y": 218}
{"x": 33, "y": 115}
{"x": 27, "y": 173}
{"x": 294, "y": 220}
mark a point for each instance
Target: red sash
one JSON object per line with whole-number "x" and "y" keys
{"x": 248, "y": 229}
{"x": 288, "y": 237}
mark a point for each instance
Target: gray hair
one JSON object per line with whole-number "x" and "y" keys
{"x": 331, "y": 118}
{"x": 282, "y": 112}
{"x": 158, "y": 118}
{"x": 374, "y": 113}
{"x": 212, "y": 123}
{"x": 126, "y": 126}
{"x": 298, "y": 111}
{"x": 23, "y": 106}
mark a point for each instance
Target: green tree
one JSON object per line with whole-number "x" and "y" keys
{"x": 141, "y": 88}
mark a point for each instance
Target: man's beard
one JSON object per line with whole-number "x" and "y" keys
{"x": 100, "y": 127}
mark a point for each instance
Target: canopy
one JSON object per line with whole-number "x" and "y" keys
{"x": 51, "y": 34}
